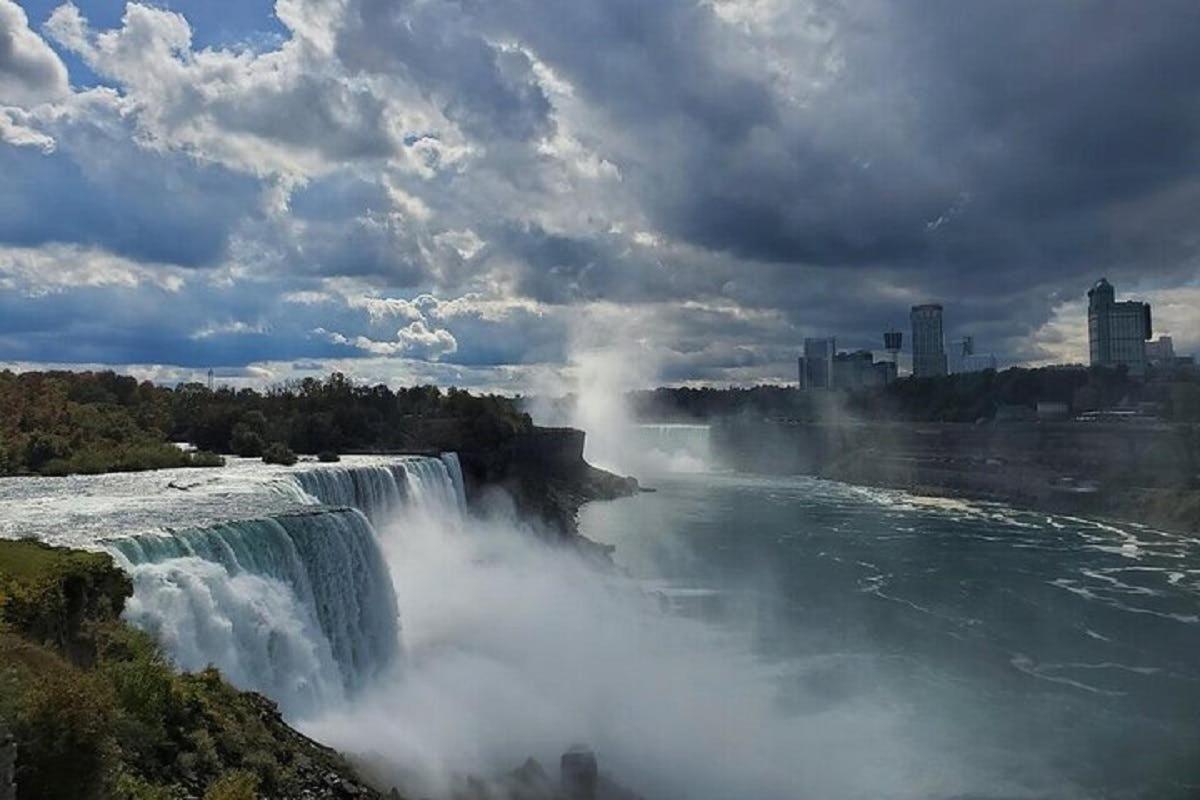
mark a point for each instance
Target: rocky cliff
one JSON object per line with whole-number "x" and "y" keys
{"x": 95, "y": 710}
{"x": 542, "y": 469}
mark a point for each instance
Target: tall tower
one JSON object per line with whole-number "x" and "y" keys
{"x": 929, "y": 351}
{"x": 1117, "y": 332}
{"x": 1101, "y": 299}
{"x": 816, "y": 366}
{"x": 210, "y": 381}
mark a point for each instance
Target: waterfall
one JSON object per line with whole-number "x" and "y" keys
{"x": 673, "y": 447}
{"x": 300, "y": 605}
{"x": 432, "y": 484}
{"x": 454, "y": 468}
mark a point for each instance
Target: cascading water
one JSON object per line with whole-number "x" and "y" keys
{"x": 378, "y": 491}
{"x": 299, "y": 605}
{"x": 672, "y": 448}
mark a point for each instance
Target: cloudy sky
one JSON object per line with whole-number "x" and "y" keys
{"x": 475, "y": 191}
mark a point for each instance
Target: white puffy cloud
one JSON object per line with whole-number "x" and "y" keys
{"x": 35, "y": 271}
{"x": 434, "y": 343}
{"x": 14, "y": 131}
{"x": 416, "y": 340}
{"x": 30, "y": 71}
{"x": 284, "y": 112}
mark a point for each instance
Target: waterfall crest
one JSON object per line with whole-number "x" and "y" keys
{"x": 434, "y": 484}
{"x": 300, "y": 605}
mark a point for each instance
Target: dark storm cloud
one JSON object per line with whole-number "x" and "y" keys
{"x": 487, "y": 90}
{"x": 729, "y": 176}
{"x": 993, "y": 156}
{"x": 100, "y": 189}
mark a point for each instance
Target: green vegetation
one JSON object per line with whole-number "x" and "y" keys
{"x": 279, "y": 453}
{"x": 58, "y": 423}
{"x": 98, "y": 712}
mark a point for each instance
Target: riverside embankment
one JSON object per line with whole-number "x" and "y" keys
{"x": 1140, "y": 472}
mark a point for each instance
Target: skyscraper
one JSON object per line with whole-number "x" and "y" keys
{"x": 929, "y": 353}
{"x": 816, "y": 365}
{"x": 1117, "y": 332}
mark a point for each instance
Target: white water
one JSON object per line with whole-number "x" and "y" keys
{"x": 514, "y": 649}
{"x": 298, "y": 603}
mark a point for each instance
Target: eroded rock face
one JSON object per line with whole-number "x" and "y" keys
{"x": 8, "y": 765}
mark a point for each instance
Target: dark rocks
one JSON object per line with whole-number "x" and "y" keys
{"x": 8, "y": 765}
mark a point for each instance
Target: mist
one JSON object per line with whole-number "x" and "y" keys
{"x": 595, "y": 397}
{"x": 517, "y": 649}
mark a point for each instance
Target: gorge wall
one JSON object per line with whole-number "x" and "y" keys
{"x": 1142, "y": 471}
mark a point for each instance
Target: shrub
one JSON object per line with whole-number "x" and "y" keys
{"x": 62, "y": 726}
{"x": 279, "y": 453}
{"x": 151, "y": 455}
{"x": 328, "y": 457}
{"x": 206, "y": 458}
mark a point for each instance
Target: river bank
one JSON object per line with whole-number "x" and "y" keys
{"x": 1146, "y": 474}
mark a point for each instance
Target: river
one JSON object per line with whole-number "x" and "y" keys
{"x": 966, "y": 649}
{"x": 760, "y": 638}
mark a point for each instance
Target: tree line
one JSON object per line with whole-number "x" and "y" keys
{"x": 967, "y": 397}
{"x": 57, "y": 423}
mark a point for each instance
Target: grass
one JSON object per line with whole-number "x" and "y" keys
{"x": 28, "y": 561}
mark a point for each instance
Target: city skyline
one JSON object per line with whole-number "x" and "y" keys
{"x": 469, "y": 195}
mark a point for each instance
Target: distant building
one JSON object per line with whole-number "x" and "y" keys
{"x": 856, "y": 370}
{"x": 971, "y": 362}
{"x": 1161, "y": 351}
{"x": 962, "y": 357}
{"x": 816, "y": 365}
{"x": 886, "y": 372}
{"x": 1117, "y": 332}
{"x": 822, "y": 367}
{"x": 929, "y": 352}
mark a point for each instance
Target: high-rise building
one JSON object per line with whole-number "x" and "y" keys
{"x": 816, "y": 365}
{"x": 962, "y": 357}
{"x": 855, "y": 370}
{"x": 1161, "y": 351}
{"x": 1117, "y": 332}
{"x": 929, "y": 352}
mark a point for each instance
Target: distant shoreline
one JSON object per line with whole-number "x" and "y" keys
{"x": 1116, "y": 472}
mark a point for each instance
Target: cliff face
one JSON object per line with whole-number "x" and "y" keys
{"x": 97, "y": 712}
{"x": 1146, "y": 473}
{"x": 543, "y": 469}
